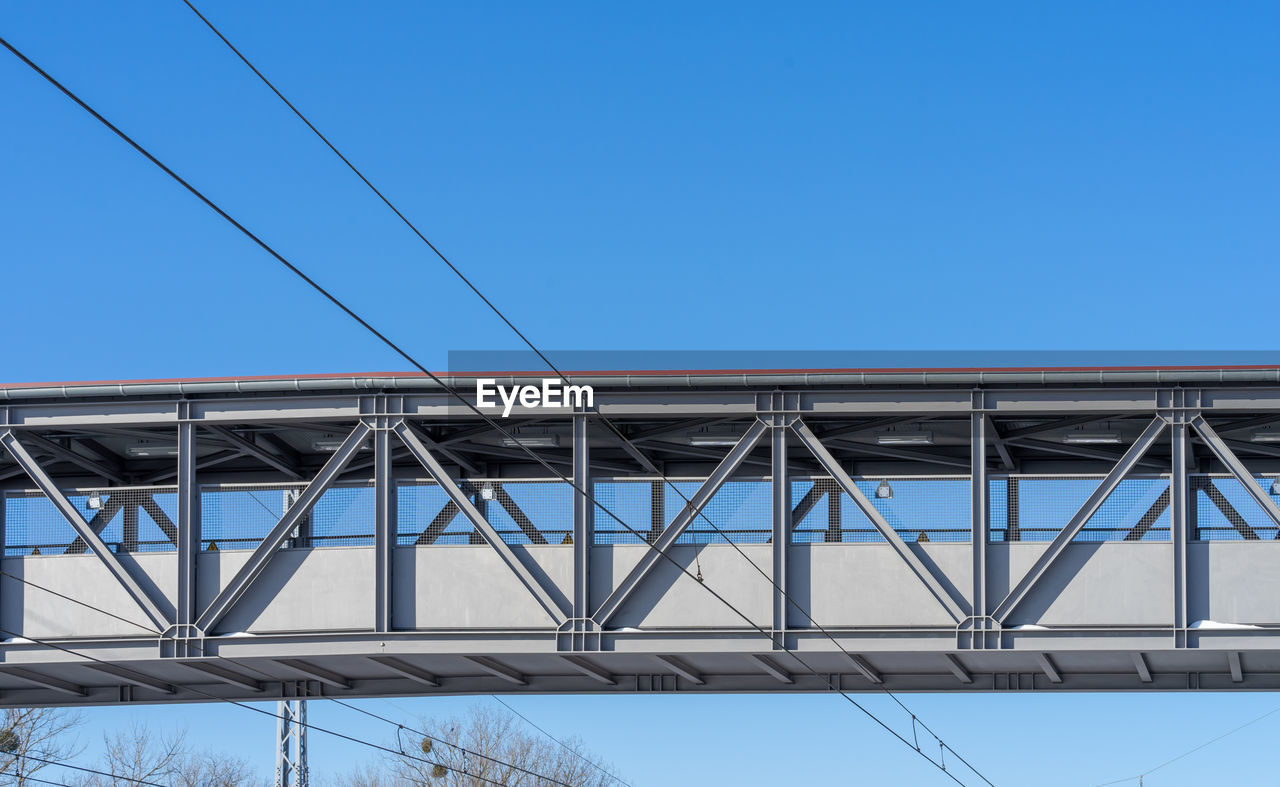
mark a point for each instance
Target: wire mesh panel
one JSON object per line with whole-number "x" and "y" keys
{"x": 239, "y": 516}
{"x": 1223, "y": 510}
{"x": 529, "y": 512}
{"x": 521, "y": 511}
{"x": 923, "y": 509}
{"x": 740, "y": 510}
{"x": 1037, "y": 508}
{"x": 425, "y": 515}
{"x": 128, "y": 519}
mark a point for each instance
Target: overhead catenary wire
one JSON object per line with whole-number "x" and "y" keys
{"x": 83, "y": 769}
{"x": 617, "y": 432}
{"x": 156, "y": 631}
{"x": 1189, "y": 752}
{"x": 463, "y": 400}
{"x": 563, "y": 745}
{"x": 308, "y": 725}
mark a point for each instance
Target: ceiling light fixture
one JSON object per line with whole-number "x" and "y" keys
{"x": 532, "y": 441}
{"x": 904, "y": 438}
{"x": 1091, "y": 438}
{"x": 143, "y": 450}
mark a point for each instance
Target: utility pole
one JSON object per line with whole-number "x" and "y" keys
{"x": 291, "y": 724}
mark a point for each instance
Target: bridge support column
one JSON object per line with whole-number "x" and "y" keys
{"x": 581, "y": 628}
{"x": 979, "y": 531}
{"x": 779, "y": 420}
{"x": 1179, "y": 501}
{"x": 384, "y": 520}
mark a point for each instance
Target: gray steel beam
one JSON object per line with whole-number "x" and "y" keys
{"x": 188, "y": 527}
{"x": 837, "y": 472}
{"x": 671, "y": 429}
{"x": 772, "y": 668}
{"x": 70, "y": 513}
{"x": 404, "y": 668}
{"x": 231, "y": 677}
{"x": 1236, "y": 467}
{"x": 201, "y": 464}
{"x": 679, "y": 667}
{"x": 583, "y": 512}
{"x": 1179, "y": 497}
{"x": 1049, "y": 668}
{"x": 1233, "y": 663}
{"x": 1081, "y": 451}
{"x": 1002, "y": 448}
{"x": 498, "y": 669}
{"x": 250, "y": 448}
{"x": 864, "y": 667}
{"x": 384, "y": 530}
{"x": 67, "y": 455}
{"x": 504, "y": 550}
{"x": 134, "y": 678}
{"x": 46, "y": 681}
{"x": 257, "y": 562}
{"x": 325, "y": 676}
{"x": 865, "y": 426}
{"x": 672, "y": 532}
{"x": 900, "y": 453}
{"x": 1140, "y": 666}
{"x": 780, "y": 484}
{"x": 590, "y": 669}
{"x": 445, "y": 451}
{"x": 1053, "y": 426}
{"x": 1059, "y": 544}
{"x": 957, "y": 668}
{"x": 978, "y": 519}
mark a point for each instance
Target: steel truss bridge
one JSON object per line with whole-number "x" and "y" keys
{"x": 358, "y": 536}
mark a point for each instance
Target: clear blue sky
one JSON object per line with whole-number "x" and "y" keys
{"x": 736, "y": 176}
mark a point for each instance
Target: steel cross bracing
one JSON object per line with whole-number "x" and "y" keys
{"x": 361, "y": 537}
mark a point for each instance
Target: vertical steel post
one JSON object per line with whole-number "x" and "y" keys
{"x": 1179, "y": 525}
{"x": 781, "y": 524}
{"x": 583, "y": 523}
{"x": 188, "y": 523}
{"x": 291, "y": 743}
{"x": 384, "y": 523}
{"x": 979, "y": 525}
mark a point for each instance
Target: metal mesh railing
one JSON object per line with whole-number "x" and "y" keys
{"x": 1222, "y": 510}
{"x": 740, "y": 509}
{"x": 521, "y": 511}
{"x": 921, "y": 509}
{"x": 239, "y": 516}
{"x": 538, "y": 511}
{"x": 127, "y": 519}
{"x": 1037, "y": 508}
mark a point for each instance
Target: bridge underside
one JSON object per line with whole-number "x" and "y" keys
{"x": 358, "y": 537}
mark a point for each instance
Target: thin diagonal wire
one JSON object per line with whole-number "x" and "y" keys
{"x": 650, "y": 466}
{"x": 1189, "y": 752}
{"x": 83, "y": 769}
{"x": 308, "y": 725}
{"x": 157, "y": 631}
{"x": 452, "y": 391}
{"x": 564, "y": 745}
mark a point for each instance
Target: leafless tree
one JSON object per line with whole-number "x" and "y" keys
{"x": 32, "y": 739}
{"x": 517, "y": 755}
{"x": 134, "y": 754}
